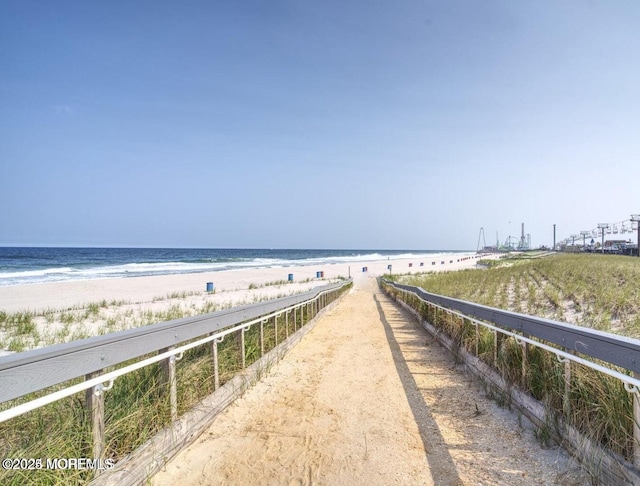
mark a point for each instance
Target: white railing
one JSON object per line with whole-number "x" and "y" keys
{"x": 613, "y": 355}
{"x": 103, "y": 359}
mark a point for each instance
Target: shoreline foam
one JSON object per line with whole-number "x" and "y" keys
{"x": 39, "y": 297}
{"x": 66, "y": 311}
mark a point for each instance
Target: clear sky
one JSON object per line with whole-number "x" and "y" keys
{"x": 316, "y": 124}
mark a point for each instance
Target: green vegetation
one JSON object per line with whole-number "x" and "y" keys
{"x": 598, "y": 291}
{"x": 21, "y": 331}
{"x": 136, "y": 408}
{"x": 278, "y": 283}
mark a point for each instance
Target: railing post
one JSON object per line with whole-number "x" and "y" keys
{"x": 636, "y": 425}
{"x": 242, "y": 360}
{"x": 295, "y": 319}
{"x": 216, "y": 370}
{"x": 94, "y": 401}
{"x": 566, "y": 396}
{"x": 262, "y": 321}
{"x": 496, "y": 343}
{"x": 525, "y": 363}
{"x": 286, "y": 323}
{"x": 275, "y": 326}
{"x": 169, "y": 378}
{"x": 477, "y": 339}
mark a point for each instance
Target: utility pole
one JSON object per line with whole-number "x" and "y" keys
{"x": 602, "y": 227}
{"x": 554, "y": 238}
{"x": 635, "y": 218}
{"x": 584, "y": 238}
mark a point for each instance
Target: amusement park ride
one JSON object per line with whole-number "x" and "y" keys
{"x": 616, "y": 243}
{"x": 512, "y": 243}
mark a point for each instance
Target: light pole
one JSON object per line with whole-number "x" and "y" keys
{"x": 636, "y": 219}
{"x": 584, "y": 238}
{"x": 602, "y": 227}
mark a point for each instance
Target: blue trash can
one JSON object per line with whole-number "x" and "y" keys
{"x": 290, "y": 277}
{"x": 209, "y": 286}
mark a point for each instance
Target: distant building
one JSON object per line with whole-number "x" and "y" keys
{"x": 616, "y": 246}
{"x": 610, "y": 243}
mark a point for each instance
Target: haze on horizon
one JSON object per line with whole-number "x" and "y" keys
{"x": 316, "y": 124}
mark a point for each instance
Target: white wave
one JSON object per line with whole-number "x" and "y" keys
{"x": 36, "y": 273}
{"x": 164, "y": 268}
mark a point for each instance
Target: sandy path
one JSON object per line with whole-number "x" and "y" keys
{"x": 366, "y": 398}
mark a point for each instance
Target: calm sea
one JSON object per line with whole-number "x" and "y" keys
{"x": 35, "y": 265}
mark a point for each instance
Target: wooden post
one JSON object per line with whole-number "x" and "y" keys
{"x": 477, "y": 339}
{"x": 261, "y": 338}
{"x": 295, "y": 317}
{"x": 216, "y": 370}
{"x": 286, "y": 323}
{"x": 168, "y": 367}
{"x": 275, "y": 325}
{"x": 566, "y": 396}
{"x": 496, "y": 343}
{"x": 636, "y": 418}
{"x": 525, "y": 363}
{"x": 94, "y": 402}
{"x": 242, "y": 360}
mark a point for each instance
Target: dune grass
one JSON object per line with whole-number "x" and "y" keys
{"x": 591, "y": 290}
{"x": 21, "y": 331}
{"x": 596, "y": 291}
{"x": 136, "y": 408}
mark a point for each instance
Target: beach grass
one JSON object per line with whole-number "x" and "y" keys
{"x": 136, "y": 408}
{"x": 596, "y": 291}
{"x": 22, "y": 331}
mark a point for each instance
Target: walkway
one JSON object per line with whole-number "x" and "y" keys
{"x": 367, "y": 397}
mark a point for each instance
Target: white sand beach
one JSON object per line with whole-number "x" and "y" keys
{"x": 64, "y": 295}
{"x": 64, "y": 311}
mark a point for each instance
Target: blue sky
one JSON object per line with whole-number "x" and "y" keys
{"x": 298, "y": 124}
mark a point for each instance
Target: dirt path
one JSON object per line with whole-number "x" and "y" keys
{"x": 367, "y": 398}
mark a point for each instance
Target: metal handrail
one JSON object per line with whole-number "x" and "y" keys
{"x": 111, "y": 376}
{"x": 31, "y": 371}
{"x": 617, "y": 350}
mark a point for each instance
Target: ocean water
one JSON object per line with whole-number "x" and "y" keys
{"x": 20, "y": 266}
